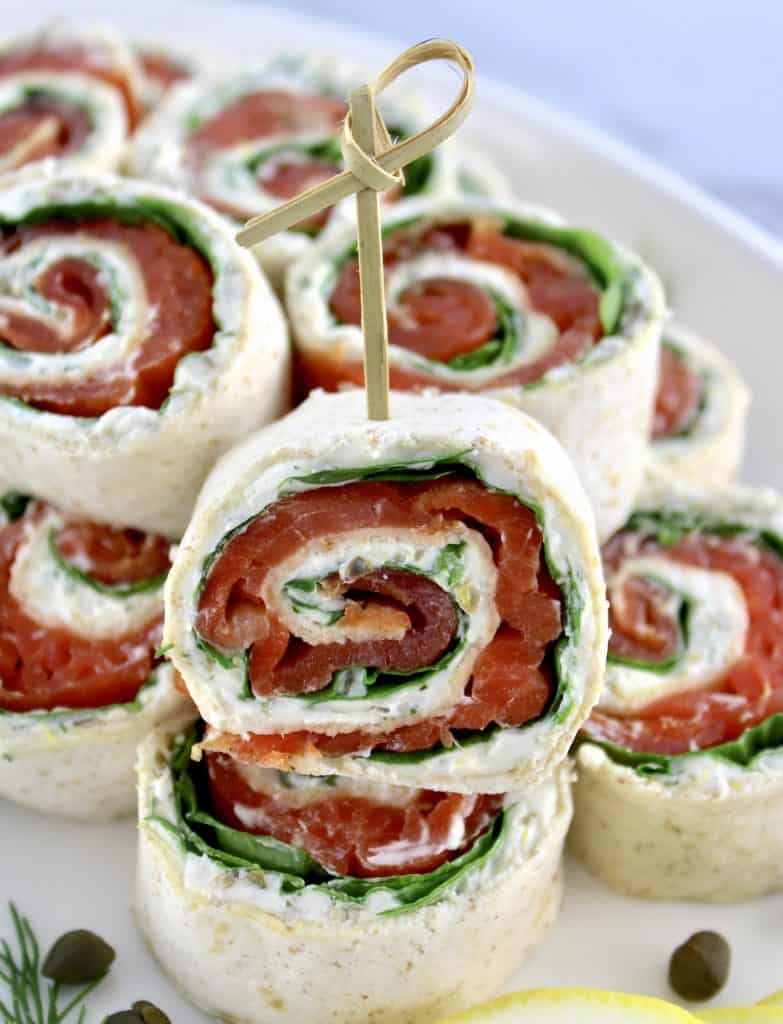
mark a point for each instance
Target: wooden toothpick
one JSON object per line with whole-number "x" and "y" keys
{"x": 371, "y": 278}
{"x": 373, "y": 165}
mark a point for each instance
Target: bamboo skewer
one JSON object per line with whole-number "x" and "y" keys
{"x": 373, "y": 165}
{"x": 368, "y": 212}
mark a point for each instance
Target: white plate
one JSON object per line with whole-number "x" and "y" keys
{"x": 724, "y": 277}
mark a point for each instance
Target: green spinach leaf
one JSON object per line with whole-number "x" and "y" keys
{"x": 110, "y": 589}
{"x": 598, "y": 254}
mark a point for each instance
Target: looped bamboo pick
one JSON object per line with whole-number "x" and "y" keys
{"x": 373, "y": 165}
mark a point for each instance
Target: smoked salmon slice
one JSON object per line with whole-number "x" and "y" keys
{"x": 751, "y": 688}
{"x": 272, "y": 114}
{"x": 678, "y": 395}
{"x": 347, "y": 833}
{"x": 60, "y": 126}
{"x": 700, "y": 411}
{"x": 45, "y": 666}
{"x": 163, "y": 68}
{"x": 443, "y": 317}
{"x": 86, "y": 58}
{"x": 177, "y": 285}
{"x": 512, "y": 680}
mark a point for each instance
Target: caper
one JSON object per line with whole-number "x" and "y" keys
{"x": 699, "y": 968}
{"x": 356, "y": 568}
{"x": 13, "y": 504}
{"x": 123, "y": 1017}
{"x": 78, "y": 957}
{"x": 150, "y": 1013}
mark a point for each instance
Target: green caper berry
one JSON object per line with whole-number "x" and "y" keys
{"x": 123, "y": 1017}
{"x": 77, "y": 958}
{"x": 149, "y": 1013}
{"x": 699, "y": 968}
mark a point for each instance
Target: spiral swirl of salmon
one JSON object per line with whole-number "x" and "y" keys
{"x": 81, "y": 680}
{"x": 69, "y": 48}
{"x": 700, "y": 411}
{"x": 684, "y": 744}
{"x": 247, "y": 140}
{"x": 129, "y": 321}
{"x": 58, "y": 122}
{"x": 503, "y": 299}
{"x": 422, "y": 598}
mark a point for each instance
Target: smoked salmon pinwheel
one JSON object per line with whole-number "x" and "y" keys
{"x": 700, "y": 411}
{"x": 97, "y": 53}
{"x": 248, "y": 141}
{"x": 59, "y": 123}
{"x": 299, "y": 876}
{"x": 505, "y": 300}
{"x": 417, "y": 601}
{"x": 681, "y": 764}
{"x": 161, "y": 69}
{"x": 81, "y": 679}
{"x": 138, "y": 342}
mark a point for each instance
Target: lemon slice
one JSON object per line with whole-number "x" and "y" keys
{"x": 774, "y": 999}
{"x": 567, "y": 1005}
{"x": 743, "y": 1015}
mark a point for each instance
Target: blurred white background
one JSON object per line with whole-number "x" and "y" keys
{"x": 696, "y": 84}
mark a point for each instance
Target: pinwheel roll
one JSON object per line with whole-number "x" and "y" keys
{"x": 248, "y": 141}
{"x": 335, "y": 900}
{"x": 681, "y": 764}
{"x": 506, "y": 300}
{"x": 59, "y": 123}
{"x": 417, "y": 601}
{"x": 700, "y": 411}
{"x": 161, "y": 69}
{"x": 138, "y": 343}
{"x": 97, "y": 52}
{"x": 81, "y": 682}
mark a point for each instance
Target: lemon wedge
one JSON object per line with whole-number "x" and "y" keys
{"x": 567, "y": 1005}
{"x": 774, "y": 999}
{"x": 743, "y": 1015}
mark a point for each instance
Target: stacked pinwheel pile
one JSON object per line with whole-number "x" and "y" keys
{"x": 394, "y": 633}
